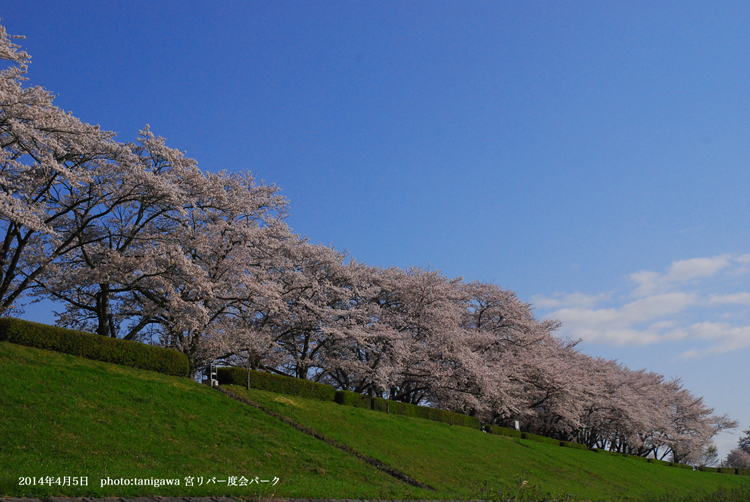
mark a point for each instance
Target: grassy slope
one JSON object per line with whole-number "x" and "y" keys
{"x": 62, "y": 415}
{"x": 66, "y": 416}
{"x": 457, "y": 459}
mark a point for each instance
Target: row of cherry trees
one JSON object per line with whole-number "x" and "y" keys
{"x": 138, "y": 243}
{"x": 419, "y": 337}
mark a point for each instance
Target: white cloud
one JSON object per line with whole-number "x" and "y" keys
{"x": 681, "y": 271}
{"x": 648, "y": 282}
{"x": 663, "y": 306}
{"x": 684, "y": 270}
{"x": 744, "y": 265}
{"x": 690, "y": 354}
{"x": 723, "y": 336}
{"x": 560, "y": 300}
{"x": 735, "y": 298}
{"x": 642, "y": 310}
{"x": 657, "y": 306}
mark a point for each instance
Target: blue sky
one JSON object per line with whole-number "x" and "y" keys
{"x": 591, "y": 156}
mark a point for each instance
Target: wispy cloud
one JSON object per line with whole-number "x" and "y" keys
{"x": 562, "y": 300}
{"x": 732, "y": 299}
{"x": 615, "y": 325}
{"x": 680, "y": 272}
{"x": 675, "y": 306}
{"x": 723, "y": 337}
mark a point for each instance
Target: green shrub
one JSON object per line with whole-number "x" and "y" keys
{"x": 447, "y": 417}
{"x": 355, "y": 399}
{"x": 275, "y": 383}
{"x": 91, "y": 346}
{"x": 503, "y": 431}
{"x": 743, "y": 472}
{"x": 406, "y": 409}
{"x": 395, "y": 407}
{"x": 727, "y": 470}
{"x": 708, "y": 469}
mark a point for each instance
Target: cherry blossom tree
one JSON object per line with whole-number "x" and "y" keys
{"x": 737, "y": 458}
{"x": 315, "y": 292}
{"x": 359, "y": 356}
{"x": 422, "y": 308}
{"x": 521, "y": 372}
{"x": 50, "y": 166}
{"x": 217, "y": 274}
{"x": 142, "y": 201}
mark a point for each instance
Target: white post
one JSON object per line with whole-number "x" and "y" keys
{"x": 210, "y": 376}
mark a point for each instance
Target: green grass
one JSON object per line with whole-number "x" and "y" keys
{"x": 458, "y": 460}
{"x": 66, "y": 416}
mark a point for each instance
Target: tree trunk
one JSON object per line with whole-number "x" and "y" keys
{"x": 103, "y": 315}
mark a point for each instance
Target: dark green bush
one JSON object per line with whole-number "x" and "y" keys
{"x": 395, "y": 407}
{"x": 275, "y": 383}
{"x": 447, "y": 417}
{"x": 743, "y": 472}
{"x": 353, "y": 399}
{"x": 503, "y": 431}
{"x": 91, "y": 346}
{"x": 410, "y": 410}
{"x": 708, "y": 469}
{"x": 727, "y": 470}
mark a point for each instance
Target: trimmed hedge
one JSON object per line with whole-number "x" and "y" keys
{"x": 92, "y": 346}
{"x": 406, "y": 409}
{"x": 355, "y": 399}
{"x": 727, "y": 470}
{"x": 708, "y": 469}
{"x": 275, "y": 383}
{"x": 743, "y": 472}
{"x": 503, "y": 431}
